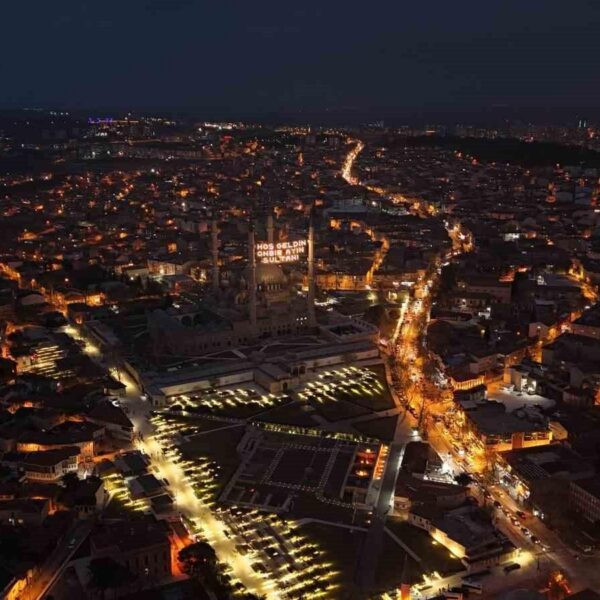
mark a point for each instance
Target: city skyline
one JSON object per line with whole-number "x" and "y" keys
{"x": 300, "y": 302}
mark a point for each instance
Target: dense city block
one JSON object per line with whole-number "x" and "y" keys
{"x": 292, "y": 362}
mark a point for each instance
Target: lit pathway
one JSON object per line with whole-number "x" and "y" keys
{"x": 349, "y": 162}
{"x": 192, "y": 507}
{"x": 163, "y": 458}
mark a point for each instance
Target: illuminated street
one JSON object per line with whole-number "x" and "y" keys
{"x": 165, "y": 457}
{"x": 349, "y": 163}
{"x": 341, "y": 354}
{"x": 424, "y": 398}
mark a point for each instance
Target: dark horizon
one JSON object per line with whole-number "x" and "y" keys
{"x": 259, "y": 59}
{"x": 487, "y": 116}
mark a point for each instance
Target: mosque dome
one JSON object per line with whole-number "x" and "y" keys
{"x": 269, "y": 274}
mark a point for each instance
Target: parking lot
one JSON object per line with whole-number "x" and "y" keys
{"x": 277, "y": 551}
{"x": 237, "y": 403}
{"x": 346, "y": 393}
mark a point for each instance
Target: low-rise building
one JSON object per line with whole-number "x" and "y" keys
{"x": 113, "y": 419}
{"x": 27, "y": 511}
{"x": 70, "y": 433}
{"x": 142, "y": 546}
{"x": 87, "y": 497}
{"x": 46, "y": 465}
{"x": 132, "y": 463}
{"x": 588, "y": 324}
{"x": 468, "y": 534}
{"x": 499, "y": 290}
{"x": 412, "y": 493}
{"x": 521, "y": 470}
{"x": 584, "y": 498}
{"x": 462, "y": 379}
{"x": 145, "y": 486}
{"x": 499, "y": 430}
{"x": 571, "y": 347}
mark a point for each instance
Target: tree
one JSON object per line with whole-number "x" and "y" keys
{"x": 551, "y": 495}
{"x": 106, "y": 574}
{"x": 200, "y": 561}
{"x": 8, "y": 370}
{"x": 70, "y": 480}
{"x": 463, "y": 479}
{"x": 378, "y": 316}
{"x": 490, "y": 466}
{"x": 448, "y": 278}
{"x": 153, "y": 288}
{"x": 197, "y": 559}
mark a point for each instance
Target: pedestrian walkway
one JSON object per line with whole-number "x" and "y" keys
{"x": 400, "y": 543}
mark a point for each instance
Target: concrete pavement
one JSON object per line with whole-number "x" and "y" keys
{"x": 373, "y": 543}
{"x": 187, "y": 502}
{"x": 55, "y": 564}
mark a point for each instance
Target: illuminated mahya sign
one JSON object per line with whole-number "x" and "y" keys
{"x": 281, "y": 252}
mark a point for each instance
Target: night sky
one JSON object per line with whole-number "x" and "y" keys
{"x": 273, "y": 55}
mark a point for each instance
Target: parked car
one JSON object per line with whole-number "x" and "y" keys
{"x": 511, "y": 567}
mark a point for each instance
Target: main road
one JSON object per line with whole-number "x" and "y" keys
{"x": 408, "y": 359}
{"x": 373, "y": 542}
{"x": 56, "y": 562}
{"x": 349, "y": 163}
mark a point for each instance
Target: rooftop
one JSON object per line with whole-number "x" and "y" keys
{"x": 590, "y": 318}
{"x": 468, "y": 527}
{"x": 491, "y": 418}
{"x": 128, "y": 536}
{"x": 547, "y": 461}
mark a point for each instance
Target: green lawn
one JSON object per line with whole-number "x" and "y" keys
{"x": 216, "y": 444}
{"x": 378, "y": 399}
{"x": 434, "y": 556}
{"x": 242, "y": 410}
{"x": 307, "y": 505}
{"x": 394, "y": 565}
{"x": 382, "y": 428}
{"x": 289, "y": 414}
{"x": 340, "y": 410}
{"x": 116, "y": 509}
{"x": 385, "y": 399}
{"x": 342, "y": 547}
{"x": 220, "y": 446}
{"x": 194, "y": 424}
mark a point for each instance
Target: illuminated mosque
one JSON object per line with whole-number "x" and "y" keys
{"x": 254, "y": 325}
{"x": 264, "y": 303}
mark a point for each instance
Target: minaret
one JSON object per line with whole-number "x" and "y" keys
{"x": 270, "y": 229}
{"x": 215, "y": 255}
{"x": 252, "y": 280}
{"x": 312, "y": 319}
{"x": 404, "y": 585}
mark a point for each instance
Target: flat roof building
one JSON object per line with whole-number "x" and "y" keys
{"x": 497, "y": 429}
